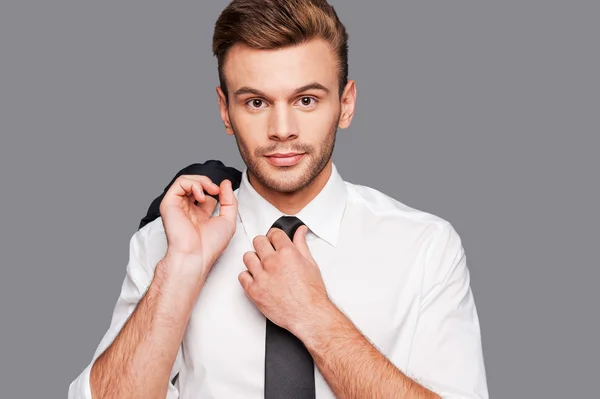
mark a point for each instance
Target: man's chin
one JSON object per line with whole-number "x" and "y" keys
{"x": 284, "y": 179}
{"x": 289, "y": 184}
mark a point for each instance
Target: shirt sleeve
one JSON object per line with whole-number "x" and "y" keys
{"x": 446, "y": 356}
{"x": 137, "y": 280}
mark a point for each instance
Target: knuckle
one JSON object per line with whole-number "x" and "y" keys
{"x": 195, "y": 179}
{"x": 248, "y": 256}
{"x": 257, "y": 240}
{"x": 287, "y": 251}
{"x": 251, "y": 288}
{"x": 270, "y": 261}
{"x": 243, "y": 279}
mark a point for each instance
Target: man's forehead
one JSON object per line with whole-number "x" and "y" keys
{"x": 283, "y": 69}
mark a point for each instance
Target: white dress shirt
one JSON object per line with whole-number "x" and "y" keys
{"x": 398, "y": 273}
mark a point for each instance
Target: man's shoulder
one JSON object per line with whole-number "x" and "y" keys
{"x": 379, "y": 204}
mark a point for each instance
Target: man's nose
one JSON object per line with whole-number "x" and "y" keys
{"x": 283, "y": 125}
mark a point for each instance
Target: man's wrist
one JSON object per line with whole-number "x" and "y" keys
{"x": 321, "y": 321}
{"x": 180, "y": 272}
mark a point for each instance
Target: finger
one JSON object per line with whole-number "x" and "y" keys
{"x": 300, "y": 242}
{"x": 205, "y": 203}
{"x": 199, "y": 191}
{"x": 184, "y": 188}
{"x": 198, "y": 194}
{"x": 183, "y": 185}
{"x": 200, "y": 198}
{"x": 228, "y": 201}
{"x": 262, "y": 246}
{"x": 209, "y": 201}
{"x": 245, "y": 279}
{"x": 278, "y": 238}
{"x": 207, "y": 183}
{"x": 253, "y": 263}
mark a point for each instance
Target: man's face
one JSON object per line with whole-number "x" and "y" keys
{"x": 284, "y": 110}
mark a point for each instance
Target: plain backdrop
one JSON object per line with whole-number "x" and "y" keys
{"x": 483, "y": 113}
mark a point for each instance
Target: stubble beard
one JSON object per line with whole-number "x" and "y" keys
{"x": 315, "y": 160}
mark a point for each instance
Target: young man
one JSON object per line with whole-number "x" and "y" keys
{"x": 298, "y": 284}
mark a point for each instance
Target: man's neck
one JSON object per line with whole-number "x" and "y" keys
{"x": 292, "y": 203}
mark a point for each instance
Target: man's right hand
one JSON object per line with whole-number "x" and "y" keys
{"x": 138, "y": 361}
{"x": 192, "y": 234}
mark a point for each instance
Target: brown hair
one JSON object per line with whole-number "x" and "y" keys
{"x": 274, "y": 24}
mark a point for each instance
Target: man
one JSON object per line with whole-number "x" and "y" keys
{"x": 298, "y": 284}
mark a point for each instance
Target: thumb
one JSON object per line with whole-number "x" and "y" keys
{"x": 228, "y": 201}
{"x": 300, "y": 242}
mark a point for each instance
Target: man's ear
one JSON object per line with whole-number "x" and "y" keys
{"x": 223, "y": 109}
{"x": 348, "y": 103}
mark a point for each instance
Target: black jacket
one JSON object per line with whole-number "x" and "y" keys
{"x": 214, "y": 169}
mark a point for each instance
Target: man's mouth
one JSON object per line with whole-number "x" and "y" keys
{"x": 287, "y": 159}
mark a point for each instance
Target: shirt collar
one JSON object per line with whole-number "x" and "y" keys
{"x": 323, "y": 215}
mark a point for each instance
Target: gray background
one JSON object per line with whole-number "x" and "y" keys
{"x": 485, "y": 114}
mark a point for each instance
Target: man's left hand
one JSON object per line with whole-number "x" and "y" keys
{"x": 283, "y": 280}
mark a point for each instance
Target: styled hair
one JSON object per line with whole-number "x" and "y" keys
{"x": 275, "y": 24}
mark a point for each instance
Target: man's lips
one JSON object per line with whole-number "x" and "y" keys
{"x": 289, "y": 159}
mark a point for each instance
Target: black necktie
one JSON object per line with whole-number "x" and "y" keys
{"x": 289, "y": 367}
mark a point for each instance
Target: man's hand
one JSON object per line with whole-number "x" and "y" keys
{"x": 191, "y": 231}
{"x": 283, "y": 280}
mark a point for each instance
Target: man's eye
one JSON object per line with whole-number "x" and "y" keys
{"x": 255, "y": 103}
{"x": 307, "y": 101}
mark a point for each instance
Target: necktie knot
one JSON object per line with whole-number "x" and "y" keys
{"x": 289, "y": 224}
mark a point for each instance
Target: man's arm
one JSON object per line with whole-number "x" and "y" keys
{"x": 351, "y": 365}
{"x": 139, "y": 361}
{"x": 155, "y": 304}
{"x": 446, "y": 353}
{"x": 145, "y": 292}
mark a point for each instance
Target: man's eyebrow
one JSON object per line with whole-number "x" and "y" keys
{"x": 311, "y": 86}
{"x": 248, "y": 90}
{"x": 256, "y": 92}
